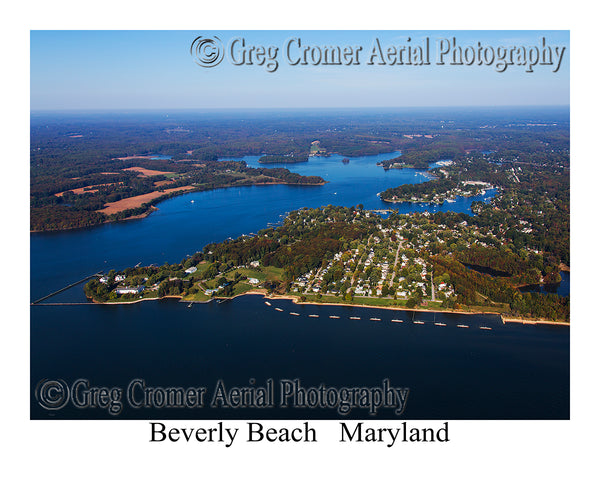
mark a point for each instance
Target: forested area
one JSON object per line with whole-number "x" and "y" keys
{"x": 282, "y": 159}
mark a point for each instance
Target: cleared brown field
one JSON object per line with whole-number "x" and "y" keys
{"x": 82, "y": 190}
{"x": 132, "y": 157}
{"x": 144, "y": 172}
{"x": 162, "y": 182}
{"x": 138, "y": 201}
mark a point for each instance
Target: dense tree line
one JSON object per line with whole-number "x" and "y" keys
{"x": 419, "y": 190}
{"x": 282, "y": 159}
{"x": 474, "y": 288}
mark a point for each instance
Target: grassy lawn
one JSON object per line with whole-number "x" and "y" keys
{"x": 197, "y": 297}
{"x": 133, "y": 298}
{"x": 212, "y": 283}
{"x": 273, "y": 273}
{"x": 485, "y": 308}
{"x": 242, "y": 287}
{"x": 390, "y": 302}
{"x": 202, "y": 267}
{"x": 247, "y": 272}
{"x": 265, "y": 273}
{"x": 380, "y": 302}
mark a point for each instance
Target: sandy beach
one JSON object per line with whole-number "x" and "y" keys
{"x": 297, "y": 301}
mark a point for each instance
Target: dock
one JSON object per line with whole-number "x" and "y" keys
{"x": 98, "y": 274}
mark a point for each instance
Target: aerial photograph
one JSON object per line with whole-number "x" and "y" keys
{"x": 299, "y": 225}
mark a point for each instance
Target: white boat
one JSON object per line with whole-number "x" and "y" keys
{"x": 333, "y": 316}
{"x": 485, "y": 328}
{"x": 267, "y": 303}
{"x": 278, "y": 309}
{"x": 375, "y": 319}
{"x": 395, "y": 320}
{"x": 419, "y": 322}
{"x": 462, "y": 326}
{"x": 354, "y": 318}
{"x": 294, "y": 313}
{"x": 314, "y": 316}
{"x": 440, "y": 324}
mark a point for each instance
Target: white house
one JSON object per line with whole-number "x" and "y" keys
{"x": 191, "y": 270}
{"x": 125, "y": 290}
{"x": 253, "y": 281}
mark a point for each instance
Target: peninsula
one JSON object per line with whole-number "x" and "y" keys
{"x": 121, "y": 189}
{"x": 351, "y": 256}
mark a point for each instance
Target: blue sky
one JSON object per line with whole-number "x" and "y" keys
{"x": 154, "y": 69}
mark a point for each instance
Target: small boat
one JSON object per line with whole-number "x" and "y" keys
{"x": 191, "y": 201}
{"x": 440, "y": 324}
{"x": 485, "y": 328}
{"x": 294, "y": 313}
{"x": 268, "y": 304}
{"x": 278, "y": 309}
{"x": 333, "y": 316}
{"x": 313, "y": 316}
{"x": 375, "y": 319}
{"x": 462, "y": 326}
{"x": 190, "y": 305}
{"x": 419, "y": 322}
{"x": 395, "y": 320}
{"x": 354, "y": 318}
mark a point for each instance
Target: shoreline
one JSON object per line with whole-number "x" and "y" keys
{"x": 529, "y": 321}
{"x": 295, "y": 300}
{"x": 183, "y": 192}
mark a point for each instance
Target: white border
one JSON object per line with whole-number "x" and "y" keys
{"x": 121, "y": 449}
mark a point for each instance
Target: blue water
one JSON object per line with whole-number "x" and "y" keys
{"x": 451, "y": 372}
{"x": 563, "y": 288}
{"x": 184, "y": 224}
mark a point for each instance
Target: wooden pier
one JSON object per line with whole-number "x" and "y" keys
{"x": 98, "y": 274}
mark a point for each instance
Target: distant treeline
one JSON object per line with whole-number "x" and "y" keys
{"x": 422, "y": 158}
{"x": 409, "y": 190}
{"x": 282, "y": 159}
{"x": 72, "y": 210}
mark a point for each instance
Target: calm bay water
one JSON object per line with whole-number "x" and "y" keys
{"x": 184, "y": 224}
{"x": 563, "y": 288}
{"x": 451, "y": 372}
